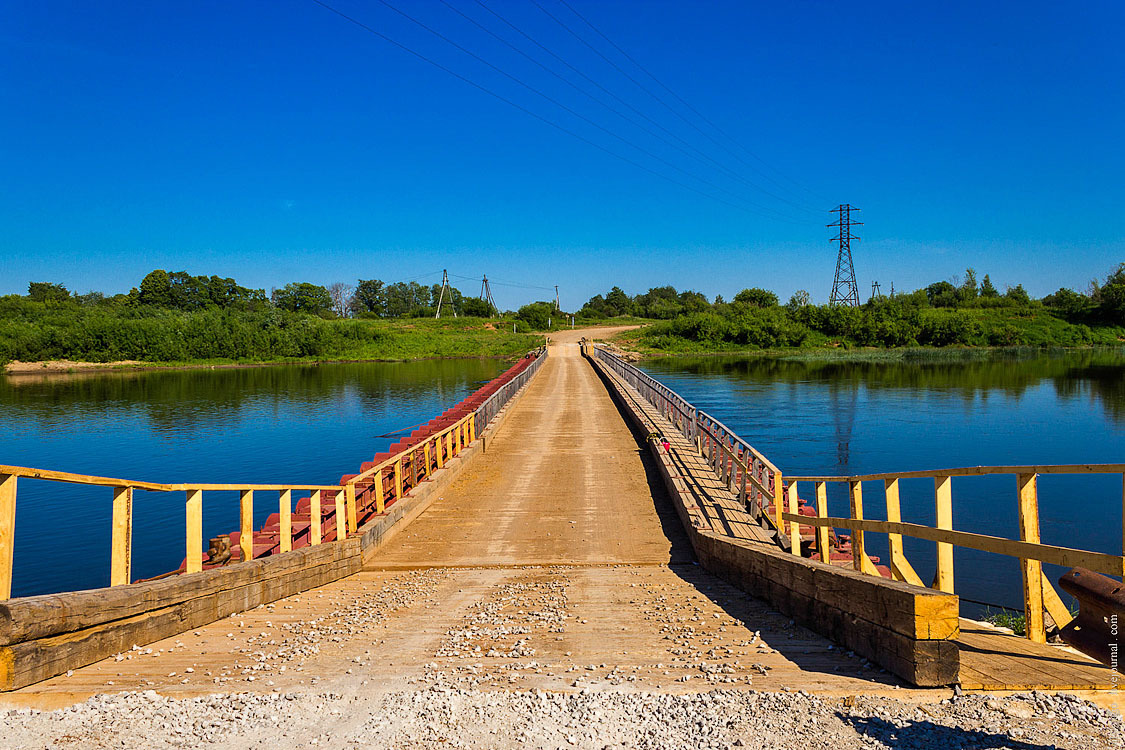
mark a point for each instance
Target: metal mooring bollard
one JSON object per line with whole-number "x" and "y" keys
{"x": 1096, "y": 630}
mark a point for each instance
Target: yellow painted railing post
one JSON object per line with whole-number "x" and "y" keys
{"x": 822, "y": 531}
{"x": 794, "y": 526}
{"x": 859, "y": 549}
{"x": 398, "y": 480}
{"x": 7, "y": 533}
{"x": 349, "y": 496}
{"x": 901, "y": 569}
{"x": 246, "y": 524}
{"x": 778, "y": 493}
{"x": 438, "y": 452}
{"x": 314, "y": 518}
{"x": 121, "y": 543}
{"x": 894, "y": 541}
{"x": 285, "y": 517}
{"x": 1035, "y": 629}
{"x": 341, "y": 526}
{"x": 426, "y": 452}
{"x": 193, "y": 545}
{"x": 943, "y": 499}
{"x": 449, "y": 444}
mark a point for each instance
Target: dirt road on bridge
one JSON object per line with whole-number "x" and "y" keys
{"x": 554, "y": 562}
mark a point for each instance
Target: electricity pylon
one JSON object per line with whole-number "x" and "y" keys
{"x": 845, "y": 290}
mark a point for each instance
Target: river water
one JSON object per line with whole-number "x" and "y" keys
{"x": 834, "y": 417}
{"x": 290, "y": 424}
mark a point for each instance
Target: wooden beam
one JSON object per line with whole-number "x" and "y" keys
{"x": 1098, "y": 562}
{"x": 66, "y": 476}
{"x": 246, "y": 524}
{"x": 1054, "y": 604}
{"x": 859, "y": 551}
{"x": 341, "y": 525}
{"x": 901, "y": 569}
{"x": 398, "y": 480}
{"x": 426, "y": 453}
{"x": 943, "y": 500}
{"x": 1032, "y": 569}
{"x": 795, "y": 526}
{"x": 193, "y": 541}
{"x": 121, "y": 543}
{"x": 822, "y": 542}
{"x": 349, "y": 498}
{"x": 314, "y": 518}
{"x": 778, "y": 493}
{"x": 7, "y": 533}
{"x": 285, "y": 519}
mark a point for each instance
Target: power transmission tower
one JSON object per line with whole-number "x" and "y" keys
{"x": 486, "y": 295}
{"x": 557, "y": 305}
{"x": 845, "y": 290}
{"x": 875, "y": 293}
{"x": 444, "y": 286}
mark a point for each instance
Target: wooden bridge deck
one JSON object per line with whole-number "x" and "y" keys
{"x": 554, "y": 561}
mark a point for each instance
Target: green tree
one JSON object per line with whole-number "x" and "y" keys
{"x": 537, "y": 315}
{"x": 1018, "y": 295}
{"x": 987, "y": 291}
{"x": 799, "y": 299}
{"x": 941, "y": 294}
{"x": 617, "y": 302}
{"x": 967, "y": 292}
{"x": 369, "y": 297}
{"x": 303, "y": 297}
{"x": 756, "y": 297}
{"x": 474, "y": 307}
{"x": 46, "y": 292}
{"x": 156, "y": 289}
{"x": 1111, "y": 297}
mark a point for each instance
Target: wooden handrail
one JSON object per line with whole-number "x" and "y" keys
{"x": 971, "y": 471}
{"x": 1066, "y": 557}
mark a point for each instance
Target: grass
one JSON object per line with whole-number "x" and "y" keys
{"x": 1006, "y": 618}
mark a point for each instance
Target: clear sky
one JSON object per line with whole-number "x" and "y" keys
{"x": 278, "y": 141}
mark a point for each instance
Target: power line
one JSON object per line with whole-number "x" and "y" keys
{"x": 671, "y": 141}
{"x": 659, "y": 98}
{"x": 535, "y": 115}
{"x": 580, "y": 116}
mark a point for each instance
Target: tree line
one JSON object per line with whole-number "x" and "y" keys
{"x": 961, "y": 311}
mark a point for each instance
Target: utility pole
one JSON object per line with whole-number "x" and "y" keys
{"x": 486, "y": 295}
{"x": 845, "y": 290}
{"x": 557, "y": 305}
{"x": 444, "y": 286}
{"x": 875, "y": 293}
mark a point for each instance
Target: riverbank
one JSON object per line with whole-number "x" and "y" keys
{"x": 213, "y": 340}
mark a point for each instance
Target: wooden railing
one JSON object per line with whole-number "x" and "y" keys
{"x": 735, "y": 461}
{"x": 743, "y": 469}
{"x": 1038, "y": 592}
{"x": 387, "y": 481}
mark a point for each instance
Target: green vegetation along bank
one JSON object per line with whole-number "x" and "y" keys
{"x": 943, "y": 314}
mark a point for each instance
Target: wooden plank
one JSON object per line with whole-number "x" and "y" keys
{"x": 66, "y": 476}
{"x": 341, "y": 526}
{"x": 238, "y": 487}
{"x": 974, "y": 471}
{"x": 901, "y": 568}
{"x": 349, "y": 500}
{"x": 426, "y": 452}
{"x": 1066, "y": 557}
{"x": 32, "y": 617}
{"x": 7, "y": 532}
{"x": 121, "y": 540}
{"x": 778, "y": 493}
{"x": 1054, "y": 604}
{"x": 246, "y": 524}
{"x": 398, "y": 480}
{"x": 314, "y": 518}
{"x": 1032, "y": 569}
{"x": 822, "y": 542}
{"x": 943, "y": 499}
{"x": 794, "y": 526}
{"x": 859, "y": 551}
{"x": 285, "y": 520}
{"x": 194, "y": 531}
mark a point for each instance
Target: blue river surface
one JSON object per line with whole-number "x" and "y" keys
{"x": 839, "y": 417}
{"x": 281, "y": 424}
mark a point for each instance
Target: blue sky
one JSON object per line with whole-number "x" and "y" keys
{"x": 276, "y": 142}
